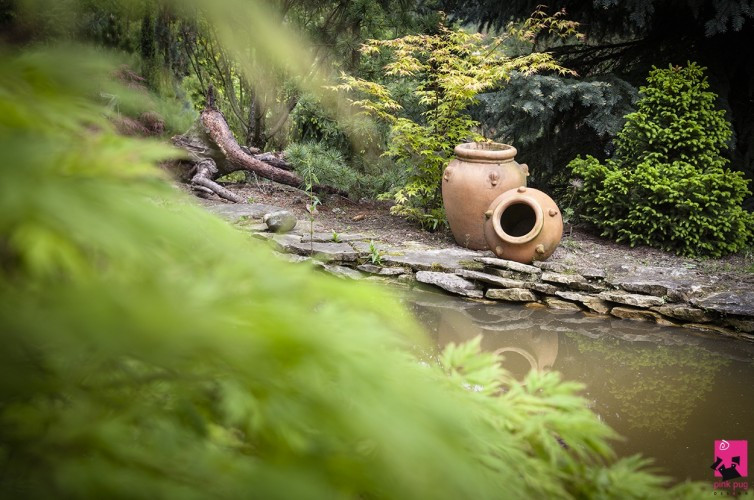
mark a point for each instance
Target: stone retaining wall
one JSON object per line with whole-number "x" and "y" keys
{"x": 670, "y": 297}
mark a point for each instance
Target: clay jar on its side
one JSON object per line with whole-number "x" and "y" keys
{"x": 480, "y": 173}
{"x": 523, "y": 225}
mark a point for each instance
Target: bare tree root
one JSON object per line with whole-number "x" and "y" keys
{"x": 215, "y": 152}
{"x": 205, "y": 172}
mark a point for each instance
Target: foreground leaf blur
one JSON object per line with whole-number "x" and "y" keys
{"x": 152, "y": 351}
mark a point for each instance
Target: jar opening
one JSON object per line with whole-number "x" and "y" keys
{"x": 518, "y": 219}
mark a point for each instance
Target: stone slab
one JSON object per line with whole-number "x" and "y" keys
{"x": 684, "y": 312}
{"x": 544, "y": 288}
{"x": 383, "y": 271}
{"x": 450, "y": 283}
{"x": 442, "y": 259}
{"x": 343, "y": 272}
{"x": 592, "y": 273}
{"x": 328, "y": 238}
{"x": 563, "y": 279}
{"x": 511, "y": 294}
{"x": 561, "y": 305}
{"x": 491, "y": 279}
{"x": 630, "y": 299}
{"x": 234, "y": 211}
{"x": 678, "y": 284}
{"x": 508, "y": 264}
{"x": 331, "y": 252}
{"x": 555, "y": 267}
{"x": 591, "y": 302}
{"x": 735, "y": 302}
{"x": 640, "y": 315}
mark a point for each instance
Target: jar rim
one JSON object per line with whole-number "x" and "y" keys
{"x": 516, "y": 199}
{"x": 486, "y": 151}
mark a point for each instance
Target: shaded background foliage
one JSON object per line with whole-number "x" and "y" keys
{"x": 625, "y": 39}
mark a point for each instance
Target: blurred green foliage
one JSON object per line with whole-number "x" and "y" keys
{"x": 668, "y": 185}
{"x": 152, "y": 351}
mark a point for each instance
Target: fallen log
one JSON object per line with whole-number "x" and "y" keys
{"x": 214, "y": 152}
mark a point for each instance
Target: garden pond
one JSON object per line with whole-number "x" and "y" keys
{"x": 669, "y": 391}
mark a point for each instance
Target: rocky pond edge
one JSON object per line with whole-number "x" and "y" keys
{"x": 667, "y": 297}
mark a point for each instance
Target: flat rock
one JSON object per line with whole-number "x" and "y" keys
{"x": 561, "y": 305}
{"x": 364, "y": 247}
{"x": 343, "y": 272}
{"x": 736, "y": 302}
{"x": 335, "y": 252}
{"x": 382, "y": 271}
{"x": 570, "y": 280}
{"x": 562, "y": 278}
{"x": 684, "y": 312}
{"x": 630, "y": 299}
{"x": 329, "y": 237}
{"x": 592, "y": 302}
{"x": 545, "y": 288}
{"x": 280, "y": 242}
{"x": 491, "y": 279}
{"x": 640, "y": 315}
{"x": 511, "y": 294}
{"x": 592, "y": 273}
{"x": 234, "y": 211}
{"x": 442, "y": 259}
{"x": 255, "y": 227}
{"x": 508, "y": 264}
{"x": 678, "y": 284}
{"x": 450, "y": 282}
{"x": 555, "y": 267}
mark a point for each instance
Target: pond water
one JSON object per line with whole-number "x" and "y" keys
{"x": 668, "y": 391}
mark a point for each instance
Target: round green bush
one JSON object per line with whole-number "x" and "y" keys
{"x": 668, "y": 185}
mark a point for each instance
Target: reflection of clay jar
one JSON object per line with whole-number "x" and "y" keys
{"x": 522, "y": 350}
{"x": 480, "y": 172}
{"x": 524, "y": 225}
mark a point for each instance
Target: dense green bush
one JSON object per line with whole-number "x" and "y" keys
{"x": 668, "y": 185}
{"x": 149, "y": 350}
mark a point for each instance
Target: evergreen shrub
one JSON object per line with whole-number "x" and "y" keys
{"x": 667, "y": 185}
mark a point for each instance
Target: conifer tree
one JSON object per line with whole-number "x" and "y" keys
{"x": 668, "y": 185}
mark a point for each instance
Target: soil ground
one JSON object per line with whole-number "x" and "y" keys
{"x": 579, "y": 246}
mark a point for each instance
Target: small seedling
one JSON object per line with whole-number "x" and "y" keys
{"x": 336, "y": 237}
{"x": 375, "y": 255}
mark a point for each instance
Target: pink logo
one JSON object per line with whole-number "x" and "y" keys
{"x": 731, "y": 459}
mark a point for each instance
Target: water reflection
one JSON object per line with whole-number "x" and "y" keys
{"x": 671, "y": 392}
{"x": 523, "y": 347}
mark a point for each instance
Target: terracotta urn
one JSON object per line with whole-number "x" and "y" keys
{"x": 481, "y": 172}
{"x": 523, "y": 225}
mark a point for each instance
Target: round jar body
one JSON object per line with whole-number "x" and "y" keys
{"x": 523, "y": 225}
{"x": 480, "y": 173}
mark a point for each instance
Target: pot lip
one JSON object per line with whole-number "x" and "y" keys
{"x": 486, "y": 151}
{"x": 517, "y": 198}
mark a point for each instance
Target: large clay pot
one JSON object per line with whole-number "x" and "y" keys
{"x": 480, "y": 173}
{"x": 523, "y": 225}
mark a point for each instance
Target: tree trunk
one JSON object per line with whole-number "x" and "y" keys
{"x": 215, "y": 152}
